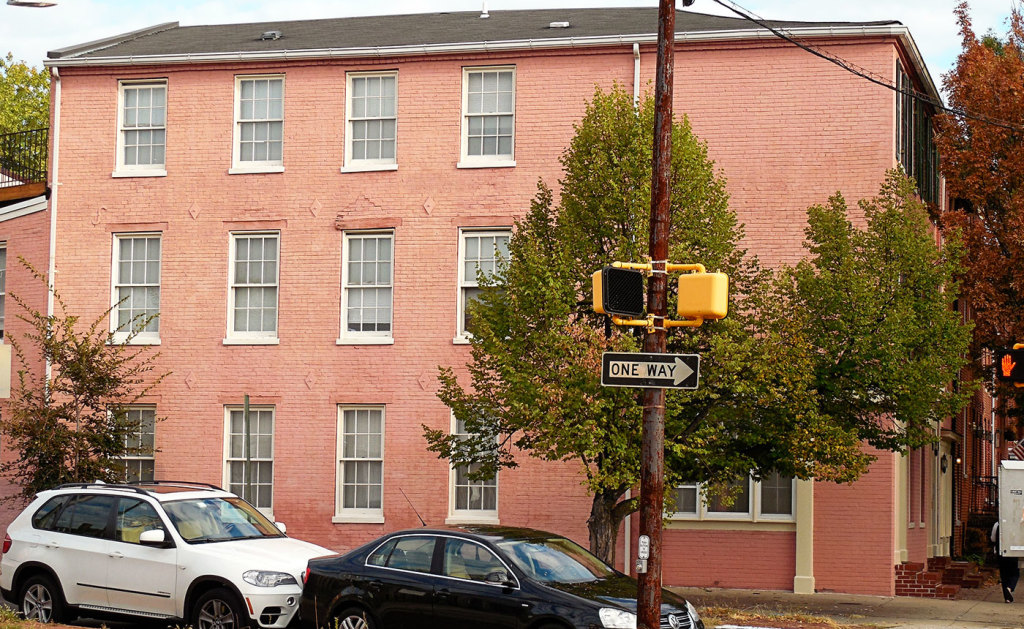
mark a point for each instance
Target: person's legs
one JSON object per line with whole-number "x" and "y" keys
{"x": 1009, "y": 574}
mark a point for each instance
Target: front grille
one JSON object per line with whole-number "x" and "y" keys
{"x": 681, "y": 621}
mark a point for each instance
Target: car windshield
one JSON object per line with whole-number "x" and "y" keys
{"x": 201, "y": 520}
{"x": 555, "y": 560}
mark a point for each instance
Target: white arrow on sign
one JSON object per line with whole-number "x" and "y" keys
{"x": 678, "y": 371}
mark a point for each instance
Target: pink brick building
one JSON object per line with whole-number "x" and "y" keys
{"x": 305, "y": 204}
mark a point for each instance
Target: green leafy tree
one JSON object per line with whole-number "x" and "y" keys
{"x": 878, "y": 303}
{"x": 24, "y": 96}
{"x": 809, "y": 364}
{"x": 72, "y": 426}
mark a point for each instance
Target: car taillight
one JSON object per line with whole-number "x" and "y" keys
{"x": 7, "y": 543}
{"x": 305, "y": 575}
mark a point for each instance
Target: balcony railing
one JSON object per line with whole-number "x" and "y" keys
{"x": 23, "y": 163}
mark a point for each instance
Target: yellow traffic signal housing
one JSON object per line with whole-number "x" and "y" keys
{"x": 618, "y": 291}
{"x": 703, "y": 296}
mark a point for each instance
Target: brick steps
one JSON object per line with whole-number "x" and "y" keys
{"x": 914, "y": 579}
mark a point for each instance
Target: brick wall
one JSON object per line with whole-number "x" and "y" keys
{"x": 785, "y": 128}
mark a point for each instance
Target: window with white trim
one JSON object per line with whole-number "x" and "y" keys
{"x": 771, "y": 498}
{"x": 136, "y": 294}
{"x": 139, "y": 462}
{"x": 479, "y": 253}
{"x": 249, "y": 461}
{"x": 360, "y": 461}
{"x": 372, "y": 115}
{"x": 3, "y": 287}
{"x": 252, "y": 298}
{"x": 142, "y": 127}
{"x": 259, "y": 123}
{"x": 366, "y": 285}
{"x": 471, "y": 499}
{"x": 488, "y": 116}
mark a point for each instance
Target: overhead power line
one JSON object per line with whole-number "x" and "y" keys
{"x": 861, "y": 72}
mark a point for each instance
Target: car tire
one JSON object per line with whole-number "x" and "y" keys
{"x": 219, "y": 609}
{"x": 41, "y": 600}
{"x": 353, "y": 618}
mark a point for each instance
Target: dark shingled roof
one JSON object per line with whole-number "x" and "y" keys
{"x": 425, "y": 29}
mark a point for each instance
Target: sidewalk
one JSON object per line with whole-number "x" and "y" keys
{"x": 976, "y": 609}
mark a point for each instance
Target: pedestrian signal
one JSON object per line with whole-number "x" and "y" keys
{"x": 618, "y": 292}
{"x": 1010, "y": 365}
{"x": 703, "y": 296}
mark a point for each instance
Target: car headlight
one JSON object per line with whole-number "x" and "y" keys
{"x": 693, "y": 612}
{"x": 268, "y": 579}
{"x": 613, "y": 618}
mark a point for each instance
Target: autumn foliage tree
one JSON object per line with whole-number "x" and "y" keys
{"x": 983, "y": 163}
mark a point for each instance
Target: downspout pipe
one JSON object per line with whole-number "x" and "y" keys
{"x": 636, "y": 75}
{"x": 54, "y": 195}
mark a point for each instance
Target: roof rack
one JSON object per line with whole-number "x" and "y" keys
{"x": 178, "y": 483}
{"x": 118, "y": 486}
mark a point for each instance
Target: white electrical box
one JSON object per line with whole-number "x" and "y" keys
{"x": 1011, "y": 508}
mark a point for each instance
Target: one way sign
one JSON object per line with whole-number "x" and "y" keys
{"x": 650, "y": 371}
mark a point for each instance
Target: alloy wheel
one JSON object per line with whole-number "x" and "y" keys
{"x": 37, "y": 603}
{"x": 217, "y": 614}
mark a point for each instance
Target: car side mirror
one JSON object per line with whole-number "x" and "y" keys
{"x": 499, "y": 577}
{"x": 153, "y": 537}
{"x": 281, "y": 527}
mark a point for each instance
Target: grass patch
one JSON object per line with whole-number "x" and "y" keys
{"x": 715, "y": 616}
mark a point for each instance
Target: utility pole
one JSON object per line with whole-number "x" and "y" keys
{"x": 652, "y": 472}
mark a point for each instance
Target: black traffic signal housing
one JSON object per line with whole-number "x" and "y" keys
{"x": 1010, "y": 366}
{"x": 619, "y": 292}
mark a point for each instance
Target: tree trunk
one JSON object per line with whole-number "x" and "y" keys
{"x": 606, "y": 512}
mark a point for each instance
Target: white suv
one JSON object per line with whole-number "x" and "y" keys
{"x": 161, "y": 549}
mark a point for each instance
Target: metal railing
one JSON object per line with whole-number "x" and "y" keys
{"x": 23, "y": 157}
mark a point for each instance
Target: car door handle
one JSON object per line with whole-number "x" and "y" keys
{"x": 52, "y": 545}
{"x": 116, "y": 555}
{"x": 442, "y": 594}
{"x": 375, "y": 586}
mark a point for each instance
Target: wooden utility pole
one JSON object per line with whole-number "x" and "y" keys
{"x": 652, "y": 473}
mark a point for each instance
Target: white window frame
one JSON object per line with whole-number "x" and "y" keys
{"x": 148, "y": 337}
{"x": 3, "y": 291}
{"x": 363, "y": 165}
{"x": 353, "y": 514}
{"x": 347, "y": 337}
{"x": 753, "y": 513}
{"x": 254, "y": 166}
{"x": 138, "y": 170}
{"x": 468, "y": 516}
{"x": 485, "y": 161}
{"x": 247, "y": 337}
{"x": 461, "y": 335}
{"x": 139, "y": 435}
{"x": 253, "y": 458}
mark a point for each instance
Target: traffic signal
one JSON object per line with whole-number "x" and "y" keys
{"x": 1010, "y": 366}
{"x": 618, "y": 292}
{"x": 704, "y": 296}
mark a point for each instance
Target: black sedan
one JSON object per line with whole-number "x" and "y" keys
{"x": 475, "y": 577}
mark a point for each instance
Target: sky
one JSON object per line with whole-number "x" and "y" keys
{"x": 29, "y": 33}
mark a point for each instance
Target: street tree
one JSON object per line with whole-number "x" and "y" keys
{"x": 24, "y": 96}
{"x": 983, "y": 163}
{"x": 766, "y": 402}
{"x": 72, "y": 425}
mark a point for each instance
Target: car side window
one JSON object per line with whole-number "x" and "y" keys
{"x": 46, "y": 515}
{"x": 380, "y": 556}
{"x": 134, "y": 517}
{"x": 464, "y": 559}
{"x": 87, "y": 516}
{"x": 413, "y": 553}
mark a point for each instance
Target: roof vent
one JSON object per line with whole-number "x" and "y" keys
{"x": 558, "y": 25}
{"x": 270, "y": 35}
{"x": 483, "y": 13}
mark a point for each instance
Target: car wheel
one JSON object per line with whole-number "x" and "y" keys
{"x": 219, "y": 609}
{"x": 41, "y": 600}
{"x": 353, "y": 618}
